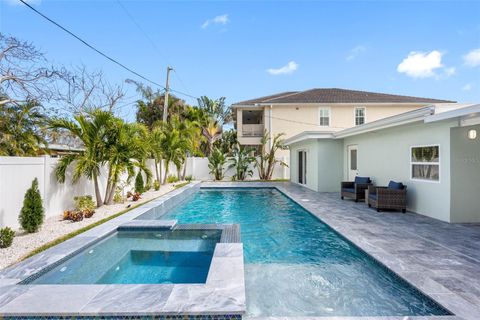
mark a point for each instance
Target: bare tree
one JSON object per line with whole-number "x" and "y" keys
{"x": 86, "y": 90}
{"x": 24, "y": 75}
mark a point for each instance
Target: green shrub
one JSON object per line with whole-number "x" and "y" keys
{"x": 139, "y": 184}
{"x": 6, "y": 237}
{"x": 156, "y": 185}
{"x": 172, "y": 179}
{"x": 117, "y": 197}
{"x": 31, "y": 216}
{"x": 189, "y": 178}
{"x": 84, "y": 203}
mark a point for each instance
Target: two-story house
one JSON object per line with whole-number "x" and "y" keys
{"x": 325, "y": 110}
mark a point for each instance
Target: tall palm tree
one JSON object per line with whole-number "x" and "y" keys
{"x": 216, "y": 109}
{"x": 156, "y": 152}
{"x": 212, "y": 132}
{"x": 173, "y": 145}
{"x": 92, "y": 128}
{"x": 127, "y": 149}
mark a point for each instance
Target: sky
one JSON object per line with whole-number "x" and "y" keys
{"x": 246, "y": 49}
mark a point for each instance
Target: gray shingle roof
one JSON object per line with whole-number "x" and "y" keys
{"x": 335, "y": 95}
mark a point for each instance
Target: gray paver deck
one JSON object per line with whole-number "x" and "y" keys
{"x": 439, "y": 258}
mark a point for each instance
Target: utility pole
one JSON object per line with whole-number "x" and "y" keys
{"x": 167, "y": 90}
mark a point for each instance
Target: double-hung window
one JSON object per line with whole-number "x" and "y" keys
{"x": 325, "y": 117}
{"x": 359, "y": 115}
{"x": 425, "y": 163}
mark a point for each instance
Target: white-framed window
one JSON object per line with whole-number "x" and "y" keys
{"x": 360, "y": 115}
{"x": 425, "y": 163}
{"x": 324, "y": 114}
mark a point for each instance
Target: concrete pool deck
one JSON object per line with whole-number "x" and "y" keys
{"x": 440, "y": 259}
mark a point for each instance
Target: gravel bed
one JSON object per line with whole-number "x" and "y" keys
{"x": 55, "y": 227}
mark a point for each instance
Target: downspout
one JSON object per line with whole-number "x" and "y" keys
{"x": 270, "y": 126}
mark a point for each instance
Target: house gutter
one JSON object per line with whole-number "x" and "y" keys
{"x": 465, "y": 114}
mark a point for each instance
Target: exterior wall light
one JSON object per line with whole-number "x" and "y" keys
{"x": 472, "y": 134}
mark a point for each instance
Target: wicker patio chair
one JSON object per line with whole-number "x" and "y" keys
{"x": 355, "y": 189}
{"x": 393, "y": 197}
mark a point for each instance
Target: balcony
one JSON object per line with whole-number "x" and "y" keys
{"x": 252, "y": 130}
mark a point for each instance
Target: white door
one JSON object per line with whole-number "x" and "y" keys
{"x": 352, "y": 162}
{"x": 302, "y": 167}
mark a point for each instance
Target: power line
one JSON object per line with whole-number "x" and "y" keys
{"x": 155, "y": 47}
{"x": 98, "y": 51}
{"x": 130, "y": 16}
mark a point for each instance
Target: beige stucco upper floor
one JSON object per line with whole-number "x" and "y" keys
{"x": 292, "y": 119}
{"x": 384, "y": 153}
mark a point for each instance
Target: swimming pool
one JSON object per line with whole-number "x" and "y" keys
{"x": 139, "y": 257}
{"x": 296, "y": 265}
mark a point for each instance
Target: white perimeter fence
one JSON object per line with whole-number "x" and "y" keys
{"x": 17, "y": 173}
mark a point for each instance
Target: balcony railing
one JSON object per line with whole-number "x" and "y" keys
{"x": 252, "y": 130}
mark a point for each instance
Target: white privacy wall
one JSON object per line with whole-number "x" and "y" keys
{"x": 17, "y": 174}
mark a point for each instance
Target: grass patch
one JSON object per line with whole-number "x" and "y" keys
{"x": 183, "y": 184}
{"x": 82, "y": 230}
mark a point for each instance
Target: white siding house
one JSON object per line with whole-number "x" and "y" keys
{"x": 435, "y": 151}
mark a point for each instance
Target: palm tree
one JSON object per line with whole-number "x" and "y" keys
{"x": 21, "y": 129}
{"x": 216, "y": 109}
{"x": 241, "y": 160}
{"x": 212, "y": 132}
{"x": 127, "y": 149}
{"x": 173, "y": 145}
{"x": 92, "y": 128}
{"x": 156, "y": 152}
{"x": 216, "y": 162}
{"x": 266, "y": 160}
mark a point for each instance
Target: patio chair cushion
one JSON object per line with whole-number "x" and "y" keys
{"x": 395, "y": 185}
{"x": 362, "y": 180}
{"x": 372, "y": 196}
{"x": 351, "y": 190}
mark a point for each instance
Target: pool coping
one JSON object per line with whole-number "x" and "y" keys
{"x": 222, "y": 295}
{"x": 461, "y": 308}
{"x": 450, "y": 300}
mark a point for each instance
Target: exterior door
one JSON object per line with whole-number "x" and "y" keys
{"x": 352, "y": 162}
{"x": 302, "y": 167}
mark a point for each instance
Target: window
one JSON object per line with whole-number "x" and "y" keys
{"x": 324, "y": 117}
{"x": 425, "y": 163}
{"x": 359, "y": 115}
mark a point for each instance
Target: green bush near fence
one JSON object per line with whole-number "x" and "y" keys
{"x": 31, "y": 216}
{"x": 6, "y": 237}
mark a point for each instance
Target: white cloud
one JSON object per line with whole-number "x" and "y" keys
{"x": 219, "y": 20}
{"x": 467, "y": 87}
{"x": 472, "y": 58}
{"x": 17, "y": 2}
{"x": 425, "y": 65}
{"x": 289, "y": 68}
{"x": 450, "y": 71}
{"x": 355, "y": 52}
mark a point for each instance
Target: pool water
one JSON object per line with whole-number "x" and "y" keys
{"x": 295, "y": 265}
{"x": 139, "y": 257}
